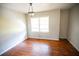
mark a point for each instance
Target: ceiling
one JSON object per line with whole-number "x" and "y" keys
{"x": 37, "y": 7}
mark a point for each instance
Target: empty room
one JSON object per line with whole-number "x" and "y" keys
{"x": 39, "y": 29}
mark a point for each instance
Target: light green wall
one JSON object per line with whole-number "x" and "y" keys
{"x": 54, "y": 25}
{"x": 73, "y": 35}
{"x": 12, "y": 28}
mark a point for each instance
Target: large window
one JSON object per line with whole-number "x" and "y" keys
{"x": 40, "y": 24}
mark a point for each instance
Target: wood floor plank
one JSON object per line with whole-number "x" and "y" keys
{"x": 39, "y": 47}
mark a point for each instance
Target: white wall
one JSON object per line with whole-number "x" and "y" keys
{"x": 73, "y": 35}
{"x": 12, "y": 28}
{"x": 64, "y": 18}
{"x": 54, "y": 24}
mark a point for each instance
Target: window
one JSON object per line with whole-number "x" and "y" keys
{"x": 44, "y": 24}
{"x": 40, "y": 24}
{"x": 34, "y": 24}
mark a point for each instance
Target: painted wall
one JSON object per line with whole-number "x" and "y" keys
{"x": 64, "y": 18}
{"x": 54, "y": 24}
{"x": 12, "y": 29}
{"x": 73, "y": 35}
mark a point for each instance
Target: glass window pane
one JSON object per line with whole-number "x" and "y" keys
{"x": 35, "y": 24}
{"x": 44, "y": 24}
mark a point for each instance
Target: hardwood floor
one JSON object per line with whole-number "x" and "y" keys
{"x": 38, "y": 47}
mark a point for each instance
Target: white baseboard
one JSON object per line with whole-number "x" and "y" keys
{"x": 74, "y": 45}
{"x": 45, "y": 38}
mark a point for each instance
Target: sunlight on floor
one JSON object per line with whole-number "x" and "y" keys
{"x": 36, "y": 48}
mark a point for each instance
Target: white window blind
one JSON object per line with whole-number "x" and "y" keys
{"x": 40, "y": 24}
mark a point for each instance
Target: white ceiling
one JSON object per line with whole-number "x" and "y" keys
{"x": 37, "y": 7}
